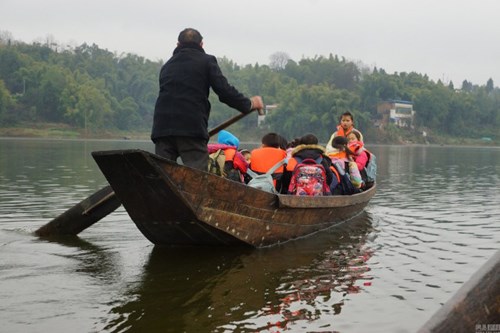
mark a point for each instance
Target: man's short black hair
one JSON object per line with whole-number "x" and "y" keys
{"x": 190, "y": 35}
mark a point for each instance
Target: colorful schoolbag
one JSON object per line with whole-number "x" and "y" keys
{"x": 309, "y": 179}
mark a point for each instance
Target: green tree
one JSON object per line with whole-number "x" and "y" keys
{"x": 5, "y": 103}
{"x": 53, "y": 81}
{"x": 126, "y": 117}
{"x": 490, "y": 86}
{"x": 86, "y": 104}
{"x": 432, "y": 107}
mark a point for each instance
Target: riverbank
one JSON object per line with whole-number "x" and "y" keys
{"x": 64, "y": 131}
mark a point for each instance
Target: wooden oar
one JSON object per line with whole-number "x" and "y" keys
{"x": 227, "y": 123}
{"x": 100, "y": 204}
{"x": 82, "y": 215}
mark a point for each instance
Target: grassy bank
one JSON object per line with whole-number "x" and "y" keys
{"x": 63, "y": 131}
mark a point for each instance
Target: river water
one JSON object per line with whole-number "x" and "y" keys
{"x": 434, "y": 221}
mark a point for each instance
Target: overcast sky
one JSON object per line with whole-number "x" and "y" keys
{"x": 446, "y": 39}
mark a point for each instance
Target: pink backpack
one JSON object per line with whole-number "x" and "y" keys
{"x": 309, "y": 178}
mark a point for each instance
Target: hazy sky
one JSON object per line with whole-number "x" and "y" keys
{"x": 445, "y": 39}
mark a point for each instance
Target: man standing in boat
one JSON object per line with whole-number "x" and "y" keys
{"x": 180, "y": 123}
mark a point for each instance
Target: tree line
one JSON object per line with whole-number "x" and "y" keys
{"x": 90, "y": 87}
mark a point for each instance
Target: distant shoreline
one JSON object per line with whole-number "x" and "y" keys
{"x": 66, "y": 132}
{"x": 63, "y": 131}
{"x": 246, "y": 144}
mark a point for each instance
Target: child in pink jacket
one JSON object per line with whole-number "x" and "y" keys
{"x": 356, "y": 147}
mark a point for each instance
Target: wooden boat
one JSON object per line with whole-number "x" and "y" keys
{"x": 475, "y": 307}
{"x": 173, "y": 204}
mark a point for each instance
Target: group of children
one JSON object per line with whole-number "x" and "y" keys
{"x": 302, "y": 166}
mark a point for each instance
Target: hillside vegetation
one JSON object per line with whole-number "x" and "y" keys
{"x": 89, "y": 91}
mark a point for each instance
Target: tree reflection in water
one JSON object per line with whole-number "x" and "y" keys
{"x": 318, "y": 289}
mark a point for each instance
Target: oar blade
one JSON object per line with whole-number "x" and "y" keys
{"x": 82, "y": 215}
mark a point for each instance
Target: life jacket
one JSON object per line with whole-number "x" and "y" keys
{"x": 341, "y": 155}
{"x": 341, "y": 132}
{"x": 308, "y": 178}
{"x": 292, "y": 163}
{"x": 335, "y": 180}
{"x": 230, "y": 152}
{"x": 356, "y": 147}
{"x": 335, "y": 172}
{"x": 264, "y": 158}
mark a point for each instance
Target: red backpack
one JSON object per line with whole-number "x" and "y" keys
{"x": 308, "y": 178}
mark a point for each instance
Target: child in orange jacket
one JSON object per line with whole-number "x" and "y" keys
{"x": 345, "y": 127}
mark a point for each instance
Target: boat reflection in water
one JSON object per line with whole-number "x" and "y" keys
{"x": 239, "y": 289}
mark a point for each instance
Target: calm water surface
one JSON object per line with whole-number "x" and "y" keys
{"x": 434, "y": 221}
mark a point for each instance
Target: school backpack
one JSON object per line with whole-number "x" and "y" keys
{"x": 371, "y": 168}
{"x": 309, "y": 179}
{"x": 264, "y": 181}
{"x": 216, "y": 162}
{"x": 344, "y": 186}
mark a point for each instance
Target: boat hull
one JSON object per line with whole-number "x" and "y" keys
{"x": 176, "y": 205}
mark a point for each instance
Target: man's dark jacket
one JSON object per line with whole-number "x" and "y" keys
{"x": 182, "y": 107}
